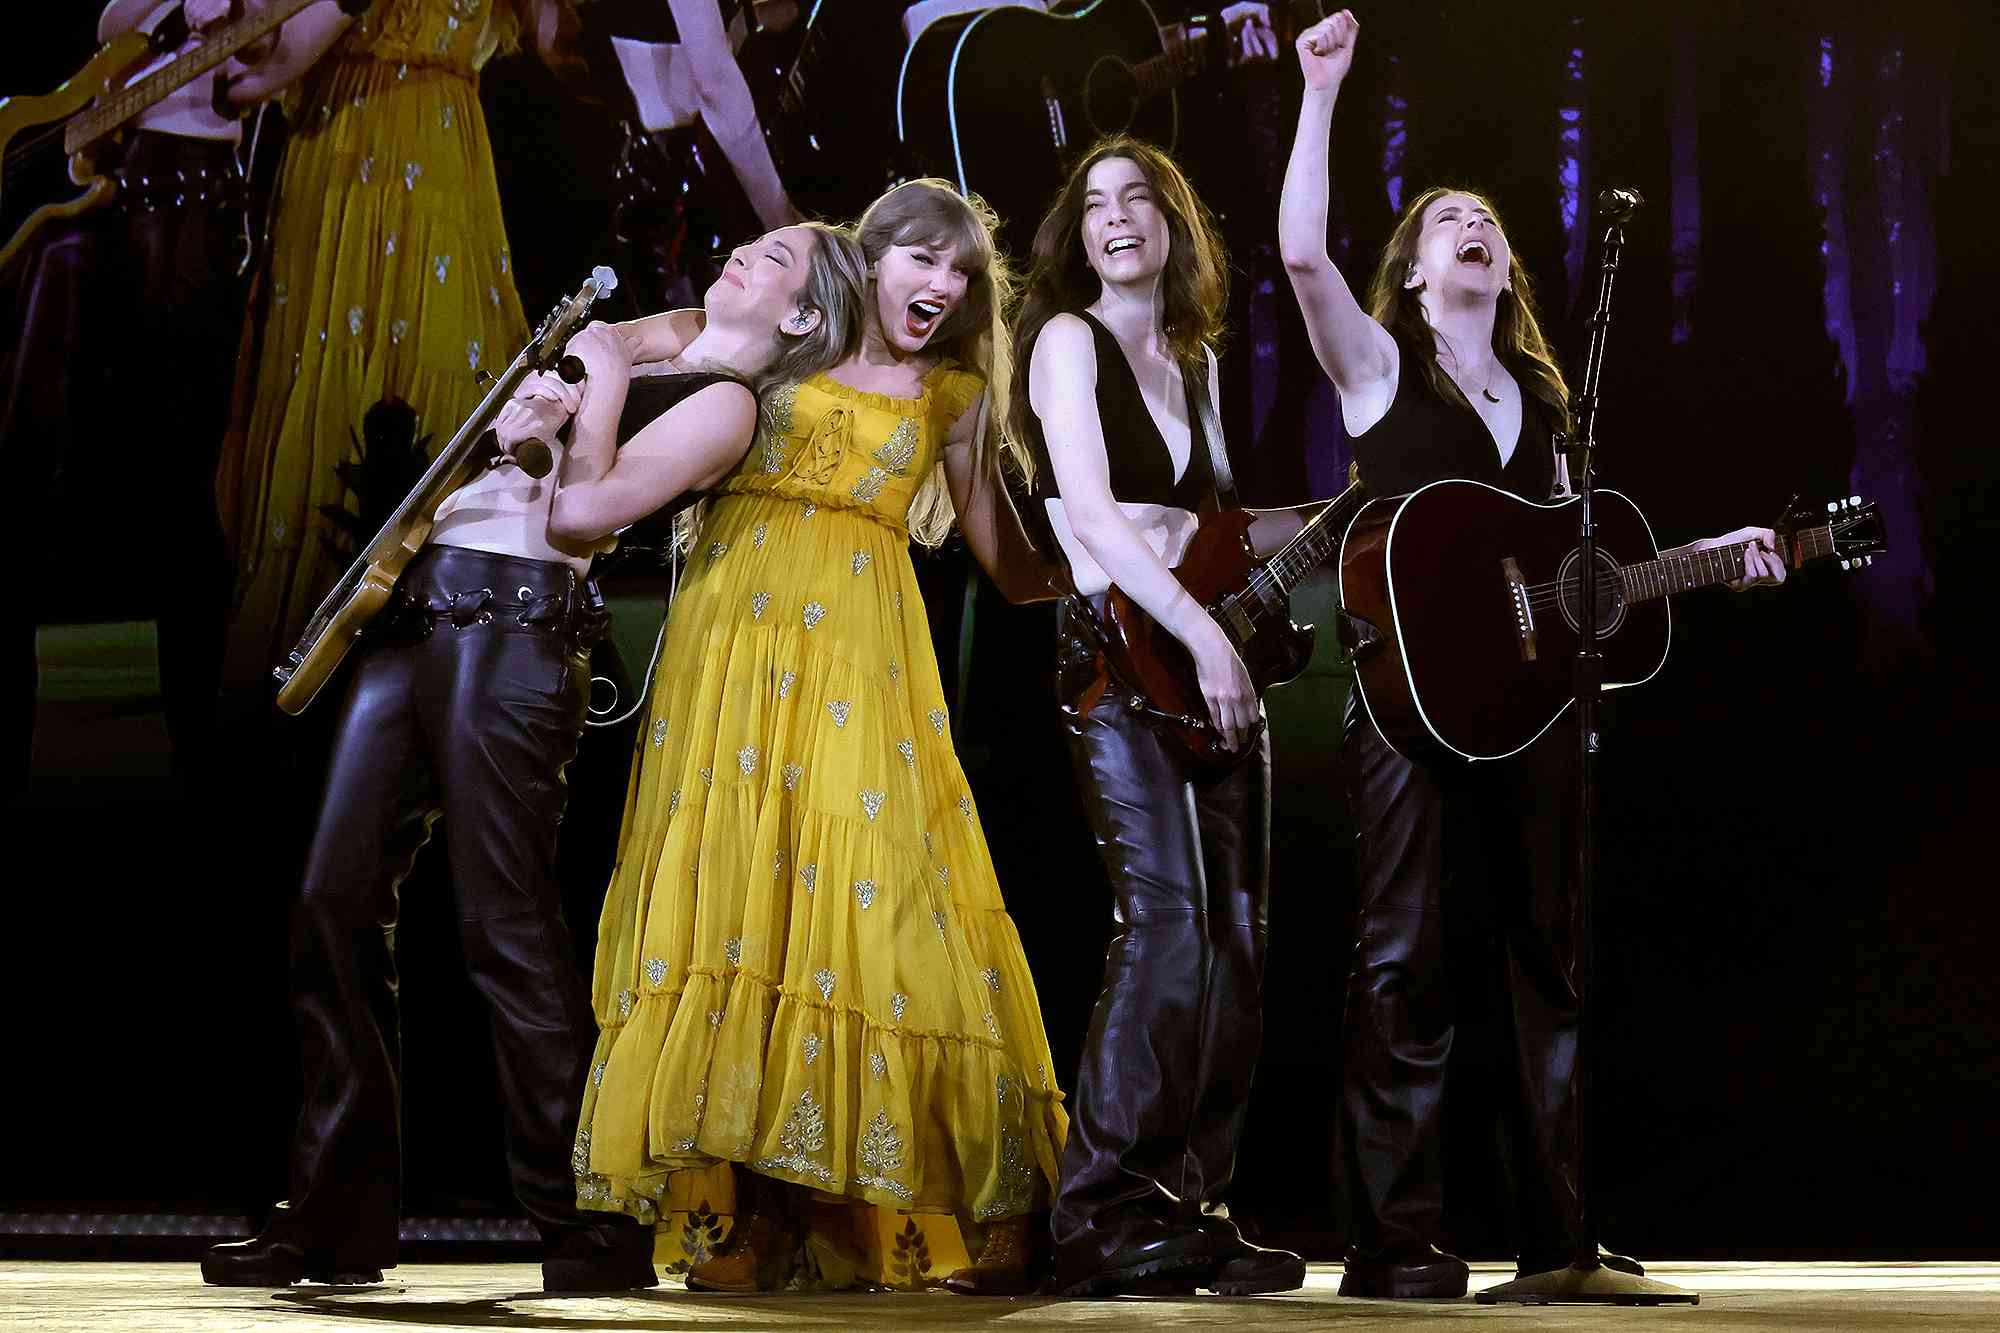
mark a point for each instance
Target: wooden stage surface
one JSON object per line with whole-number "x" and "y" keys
{"x": 164, "y": 1298}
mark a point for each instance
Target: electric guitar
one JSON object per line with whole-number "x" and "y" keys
{"x": 1153, "y": 675}
{"x": 1002, "y": 100}
{"x": 1466, "y": 602}
{"x": 54, "y": 145}
{"x": 366, "y": 586}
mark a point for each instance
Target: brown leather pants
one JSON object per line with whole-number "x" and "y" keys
{"x": 467, "y": 706}
{"x": 1458, "y": 852}
{"x": 1159, "y": 1101}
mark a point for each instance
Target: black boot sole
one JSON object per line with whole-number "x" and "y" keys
{"x": 1135, "y": 1279}
{"x": 1287, "y": 1277}
{"x": 226, "y": 1276}
{"x": 577, "y": 1276}
{"x": 1426, "y": 1282}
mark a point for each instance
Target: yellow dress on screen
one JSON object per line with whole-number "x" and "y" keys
{"x": 388, "y": 277}
{"x": 805, "y": 966}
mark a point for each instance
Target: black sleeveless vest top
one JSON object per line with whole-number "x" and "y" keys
{"x": 1142, "y": 470}
{"x": 646, "y": 401}
{"x": 1422, "y": 439}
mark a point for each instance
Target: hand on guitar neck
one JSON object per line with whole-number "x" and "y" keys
{"x": 1763, "y": 563}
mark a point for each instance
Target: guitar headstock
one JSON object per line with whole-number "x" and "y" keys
{"x": 1848, "y": 530}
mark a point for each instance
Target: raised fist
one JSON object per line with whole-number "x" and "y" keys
{"x": 1326, "y": 50}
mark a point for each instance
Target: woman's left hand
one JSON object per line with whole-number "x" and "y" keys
{"x": 1762, "y": 565}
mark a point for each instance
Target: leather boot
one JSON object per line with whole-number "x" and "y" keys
{"x": 1243, "y": 1269}
{"x": 1148, "y": 1261}
{"x": 609, "y": 1256}
{"x": 1005, "y": 1266}
{"x": 759, "y": 1253}
{"x": 1418, "y": 1275}
{"x": 275, "y": 1260}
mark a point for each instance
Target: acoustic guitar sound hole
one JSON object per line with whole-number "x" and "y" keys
{"x": 1611, "y": 606}
{"x": 1110, "y": 96}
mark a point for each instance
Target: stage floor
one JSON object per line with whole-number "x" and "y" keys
{"x": 162, "y": 1298}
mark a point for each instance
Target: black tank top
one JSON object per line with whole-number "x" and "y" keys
{"x": 647, "y": 400}
{"x": 1142, "y": 469}
{"x": 1422, "y": 439}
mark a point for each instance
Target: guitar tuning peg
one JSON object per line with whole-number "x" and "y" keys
{"x": 1847, "y": 564}
{"x": 1867, "y": 559}
{"x": 1854, "y": 501}
{"x": 1833, "y": 506}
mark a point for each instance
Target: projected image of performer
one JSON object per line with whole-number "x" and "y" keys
{"x": 1123, "y": 305}
{"x": 466, "y": 705}
{"x": 806, "y": 975}
{"x": 389, "y": 278}
{"x": 1445, "y": 374}
{"x": 121, "y": 336}
{"x": 678, "y": 69}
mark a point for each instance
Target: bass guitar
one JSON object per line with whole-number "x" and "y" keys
{"x": 1153, "y": 675}
{"x": 366, "y": 586}
{"x": 1002, "y": 100}
{"x": 1467, "y": 601}
{"x": 54, "y": 146}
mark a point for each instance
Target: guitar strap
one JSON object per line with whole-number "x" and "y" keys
{"x": 1194, "y": 374}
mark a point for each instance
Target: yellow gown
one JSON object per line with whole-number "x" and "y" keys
{"x": 805, "y": 966}
{"x": 388, "y": 276}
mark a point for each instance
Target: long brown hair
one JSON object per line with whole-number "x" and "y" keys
{"x": 1194, "y": 289}
{"x": 1517, "y": 334}
{"x": 931, "y": 211}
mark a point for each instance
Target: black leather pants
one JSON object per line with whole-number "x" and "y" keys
{"x": 1158, "y": 1105}
{"x": 1443, "y": 853}
{"x": 467, "y": 707}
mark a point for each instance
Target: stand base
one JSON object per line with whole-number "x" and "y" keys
{"x": 1595, "y": 1285}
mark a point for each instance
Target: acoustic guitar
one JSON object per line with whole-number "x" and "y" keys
{"x": 55, "y": 145}
{"x": 1467, "y": 603}
{"x": 366, "y": 586}
{"x": 1002, "y": 100}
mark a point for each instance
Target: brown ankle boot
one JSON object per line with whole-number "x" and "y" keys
{"x": 1006, "y": 1261}
{"x": 756, "y": 1257}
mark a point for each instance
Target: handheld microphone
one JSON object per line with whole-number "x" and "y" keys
{"x": 1619, "y": 202}
{"x": 534, "y": 456}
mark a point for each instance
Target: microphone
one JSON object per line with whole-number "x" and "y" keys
{"x": 533, "y": 456}
{"x": 1620, "y": 202}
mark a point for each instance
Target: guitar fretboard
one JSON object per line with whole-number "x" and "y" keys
{"x": 1646, "y": 579}
{"x": 119, "y": 106}
{"x": 1316, "y": 543}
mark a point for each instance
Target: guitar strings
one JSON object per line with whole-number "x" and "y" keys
{"x": 33, "y": 147}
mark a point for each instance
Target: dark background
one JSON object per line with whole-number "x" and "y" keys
{"x": 1798, "y": 925}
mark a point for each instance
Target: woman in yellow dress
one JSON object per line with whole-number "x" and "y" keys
{"x": 389, "y": 279}
{"x": 805, "y": 968}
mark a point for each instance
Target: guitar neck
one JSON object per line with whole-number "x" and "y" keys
{"x": 1317, "y": 541}
{"x": 1645, "y": 580}
{"x": 115, "y": 108}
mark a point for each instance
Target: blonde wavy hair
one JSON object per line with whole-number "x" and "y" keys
{"x": 835, "y": 285}
{"x": 931, "y": 211}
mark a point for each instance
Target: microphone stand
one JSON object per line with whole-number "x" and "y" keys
{"x": 1586, "y": 1281}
